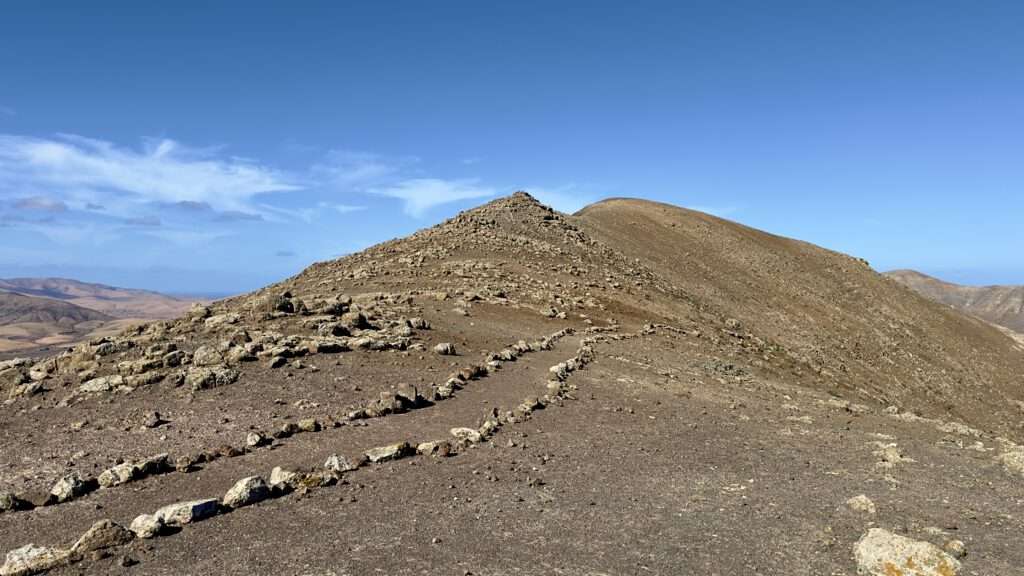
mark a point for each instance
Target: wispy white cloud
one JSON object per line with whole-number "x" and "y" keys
{"x": 422, "y": 194}
{"x": 40, "y": 203}
{"x": 82, "y": 170}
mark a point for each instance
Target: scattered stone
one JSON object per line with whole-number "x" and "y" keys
{"x": 182, "y": 513}
{"x": 102, "y": 534}
{"x": 445, "y": 349}
{"x": 882, "y": 553}
{"x": 861, "y": 503}
{"x": 146, "y": 525}
{"x": 255, "y": 440}
{"x": 390, "y": 452}
{"x": 32, "y": 559}
{"x": 280, "y": 478}
{"x": 246, "y": 491}
{"x": 957, "y": 548}
{"x": 418, "y": 323}
{"x": 338, "y": 463}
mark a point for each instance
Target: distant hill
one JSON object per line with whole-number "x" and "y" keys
{"x": 116, "y": 302}
{"x": 18, "y": 308}
{"x": 1002, "y": 305}
{"x": 39, "y": 312}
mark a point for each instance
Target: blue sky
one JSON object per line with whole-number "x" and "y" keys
{"x": 216, "y": 147}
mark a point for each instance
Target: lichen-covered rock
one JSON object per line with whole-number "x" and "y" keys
{"x": 882, "y": 553}
{"x": 102, "y": 534}
{"x": 32, "y": 559}
{"x": 246, "y": 491}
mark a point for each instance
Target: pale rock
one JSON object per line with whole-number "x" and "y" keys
{"x": 181, "y": 513}
{"x": 338, "y": 463}
{"x": 246, "y": 491}
{"x": 32, "y": 559}
{"x": 861, "y": 503}
{"x": 146, "y": 525}
{"x": 69, "y": 487}
{"x": 466, "y": 435}
{"x": 102, "y": 534}
{"x": 882, "y": 553}
{"x": 389, "y": 452}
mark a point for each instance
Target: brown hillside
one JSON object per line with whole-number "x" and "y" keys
{"x": 633, "y": 389}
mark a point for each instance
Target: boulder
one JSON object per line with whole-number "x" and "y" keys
{"x": 32, "y": 559}
{"x": 882, "y": 553}
{"x": 246, "y": 491}
{"x": 181, "y": 513}
{"x": 102, "y": 534}
{"x": 146, "y": 525}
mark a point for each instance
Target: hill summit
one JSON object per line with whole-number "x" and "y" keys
{"x": 521, "y": 387}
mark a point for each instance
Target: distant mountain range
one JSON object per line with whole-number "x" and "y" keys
{"x": 39, "y": 312}
{"x": 1001, "y": 305}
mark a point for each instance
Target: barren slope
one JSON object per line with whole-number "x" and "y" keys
{"x": 633, "y": 389}
{"x": 1003, "y": 305}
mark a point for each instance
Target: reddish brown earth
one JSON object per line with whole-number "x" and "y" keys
{"x": 729, "y": 391}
